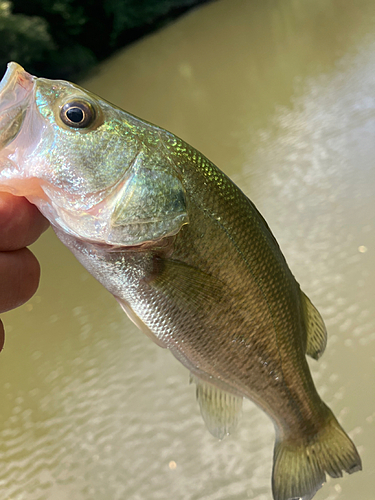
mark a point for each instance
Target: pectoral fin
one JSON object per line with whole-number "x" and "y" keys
{"x": 187, "y": 285}
{"x": 316, "y": 339}
{"x": 220, "y": 410}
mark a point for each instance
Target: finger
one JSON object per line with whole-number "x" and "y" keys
{"x": 2, "y": 335}
{"x": 20, "y": 272}
{"x": 21, "y": 223}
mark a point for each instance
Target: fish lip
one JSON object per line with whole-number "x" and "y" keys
{"x": 15, "y": 91}
{"x": 15, "y": 83}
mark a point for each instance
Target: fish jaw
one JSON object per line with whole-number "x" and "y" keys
{"x": 15, "y": 86}
{"x": 15, "y": 89}
{"x": 16, "y": 93}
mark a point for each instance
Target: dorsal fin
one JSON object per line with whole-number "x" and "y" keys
{"x": 316, "y": 333}
{"x": 220, "y": 410}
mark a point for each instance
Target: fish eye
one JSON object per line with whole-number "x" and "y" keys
{"x": 77, "y": 114}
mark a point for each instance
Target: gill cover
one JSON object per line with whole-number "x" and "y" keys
{"x": 151, "y": 203}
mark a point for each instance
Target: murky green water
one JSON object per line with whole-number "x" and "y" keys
{"x": 281, "y": 95}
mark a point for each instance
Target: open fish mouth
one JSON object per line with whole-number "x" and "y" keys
{"x": 15, "y": 88}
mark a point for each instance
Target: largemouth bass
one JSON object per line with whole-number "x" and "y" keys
{"x": 189, "y": 258}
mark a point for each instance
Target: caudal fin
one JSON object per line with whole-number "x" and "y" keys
{"x": 300, "y": 467}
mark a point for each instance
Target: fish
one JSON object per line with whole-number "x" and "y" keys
{"x": 188, "y": 257}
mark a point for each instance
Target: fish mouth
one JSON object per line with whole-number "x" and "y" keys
{"x": 15, "y": 89}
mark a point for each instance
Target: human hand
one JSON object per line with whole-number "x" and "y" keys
{"x": 21, "y": 224}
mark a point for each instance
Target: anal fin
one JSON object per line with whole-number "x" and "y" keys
{"x": 220, "y": 410}
{"x": 316, "y": 340}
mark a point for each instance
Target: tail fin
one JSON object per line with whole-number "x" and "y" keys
{"x": 299, "y": 466}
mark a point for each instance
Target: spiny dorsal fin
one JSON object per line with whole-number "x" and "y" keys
{"x": 220, "y": 410}
{"x": 316, "y": 332}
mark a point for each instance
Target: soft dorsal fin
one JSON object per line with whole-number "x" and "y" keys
{"x": 220, "y": 410}
{"x": 316, "y": 339}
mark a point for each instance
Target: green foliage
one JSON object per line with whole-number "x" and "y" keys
{"x": 65, "y": 38}
{"x": 23, "y": 38}
{"x": 130, "y": 14}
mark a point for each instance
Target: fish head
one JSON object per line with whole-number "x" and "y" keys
{"x": 95, "y": 171}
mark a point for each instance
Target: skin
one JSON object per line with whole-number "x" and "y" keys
{"x": 21, "y": 224}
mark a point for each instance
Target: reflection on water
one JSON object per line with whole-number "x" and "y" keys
{"x": 281, "y": 96}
